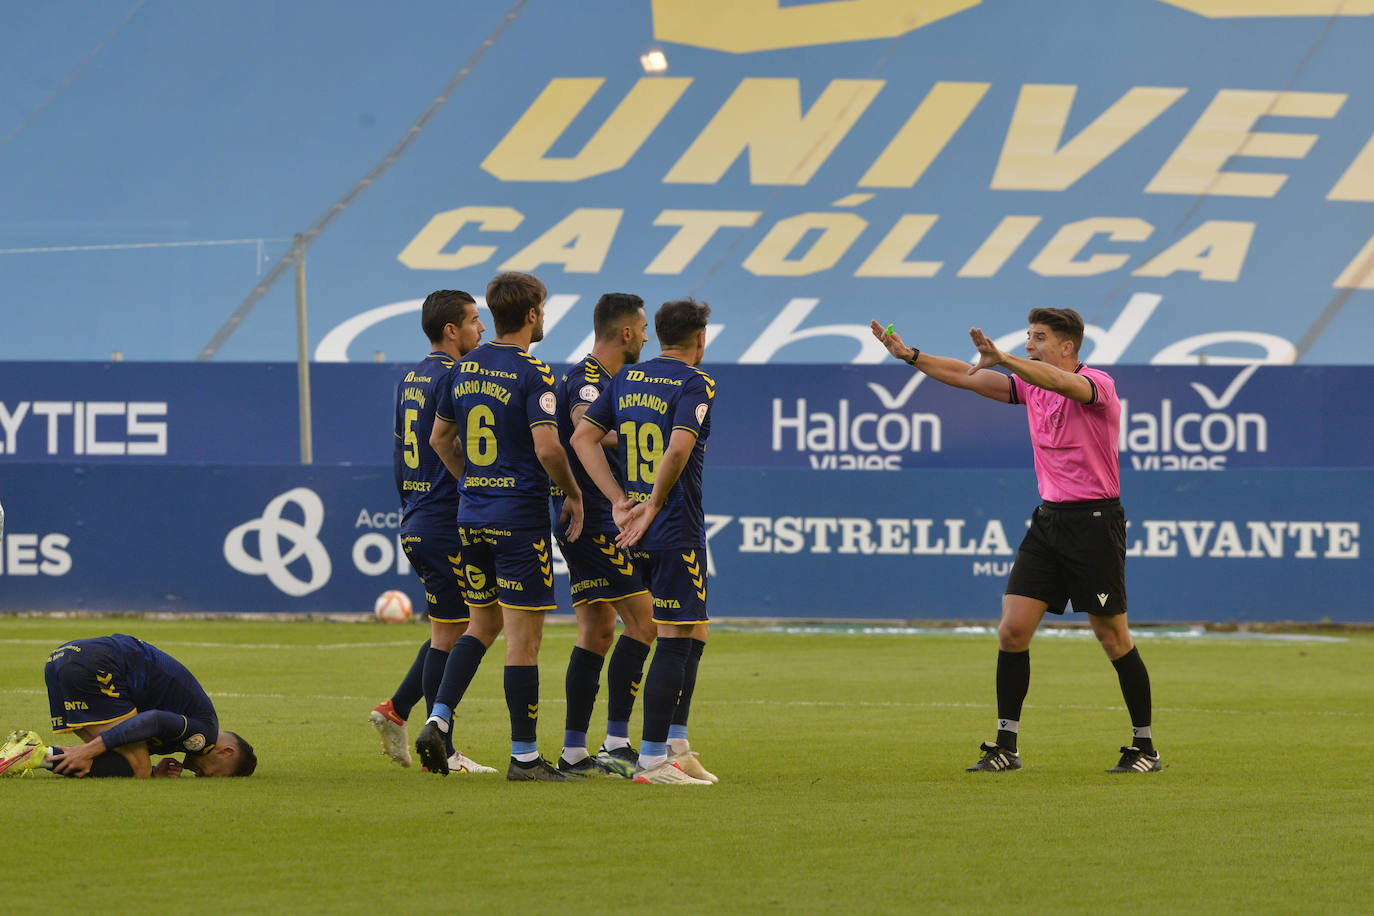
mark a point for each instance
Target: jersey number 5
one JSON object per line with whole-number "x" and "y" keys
{"x": 411, "y": 449}
{"x": 643, "y": 450}
{"x": 481, "y": 440}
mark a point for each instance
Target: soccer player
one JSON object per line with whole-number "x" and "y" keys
{"x": 605, "y": 583}
{"x": 429, "y": 506}
{"x": 127, "y": 700}
{"x": 661, "y": 413}
{"x": 1075, "y": 548}
{"x": 497, "y": 429}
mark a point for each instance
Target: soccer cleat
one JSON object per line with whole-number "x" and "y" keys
{"x": 460, "y": 764}
{"x": 392, "y": 728}
{"x": 587, "y": 766}
{"x": 1134, "y": 760}
{"x": 22, "y": 753}
{"x": 995, "y": 759}
{"x": 667, "y": 773}
{"x": 429, "y": 744}
{"x": 537, "y": 770}
{"x": 687, "y": 762}
{"x": 619, "y": 761}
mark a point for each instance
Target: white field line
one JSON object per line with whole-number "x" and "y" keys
{"x": 826, "y": 704}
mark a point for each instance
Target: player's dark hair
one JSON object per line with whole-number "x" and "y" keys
{"x": 612, "y": 311}
{"x": 443, "y": 307}
{"x": 248, "y": 761}
{"x": 677, "y": 322}
{"x": 1065, "y": 323}
{"x": 510, "y": 296}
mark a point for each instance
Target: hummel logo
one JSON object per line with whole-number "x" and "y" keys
{"x": 1102, "y": 598}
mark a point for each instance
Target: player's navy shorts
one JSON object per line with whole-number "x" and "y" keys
{"x": 85, "y": 687}
{"x": 511, "y": 566}
{"x": 1074, "y": 552}
{"x": 599, "y": 570}
{"x": 435, "y": 557}
{"x": 676, "y": 577}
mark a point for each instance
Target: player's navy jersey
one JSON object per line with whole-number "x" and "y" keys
{"x": 154, "y": 681}
{"x": 644, "y": 404}
{"x": 583, "y": 384}
{"x": 429, "y": 494}
{"x": 498, "y": 394}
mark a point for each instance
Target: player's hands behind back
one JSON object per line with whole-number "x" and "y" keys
{"x": 571, "y": 517}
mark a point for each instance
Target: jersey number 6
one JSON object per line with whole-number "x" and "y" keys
{"x": 481, "y": 441}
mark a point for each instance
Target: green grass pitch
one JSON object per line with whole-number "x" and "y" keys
{"x": 842, "y": 787}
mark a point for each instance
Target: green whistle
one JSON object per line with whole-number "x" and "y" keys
{"x": 889, "y": 330}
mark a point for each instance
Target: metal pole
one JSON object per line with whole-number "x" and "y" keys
{"x": 303, "y": 356}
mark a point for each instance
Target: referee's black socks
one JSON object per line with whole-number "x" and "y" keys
{"x": 1013, "y": 682}
{"x": 1135, "y": 690}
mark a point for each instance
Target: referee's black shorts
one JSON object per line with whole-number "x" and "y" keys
{"x": 1074, "y": 552}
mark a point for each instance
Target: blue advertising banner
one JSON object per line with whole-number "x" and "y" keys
{"x": 819, "y": 418}
{"x": 1249, "y": 545}
{"x": 1196, "y": 174}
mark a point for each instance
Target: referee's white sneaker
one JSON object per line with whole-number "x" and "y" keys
{"x": 1134, "y": 760}
{"x": 668, "y": 773}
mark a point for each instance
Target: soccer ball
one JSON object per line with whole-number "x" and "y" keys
{"x": 392, "y": 607}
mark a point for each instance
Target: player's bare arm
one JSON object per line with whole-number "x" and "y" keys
{"x": 550, "y": 453}
{"x": 610, "y": 441}
{"x": 443, "y": 438}
{"x": 1037, "y": 372}
{"x": 680, "y": 447}
{"x": 588, "y": 441}
{"x": 952, "y": 372}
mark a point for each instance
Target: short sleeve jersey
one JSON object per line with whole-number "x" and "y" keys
{"x": 644, "y": 404}
{"x": 158, "y": 681}
{"x": 1074, "y": 443}
{"x": 429, "y": 494}
{"x": 581, "y": 387}
{"x": 499, "y": 394}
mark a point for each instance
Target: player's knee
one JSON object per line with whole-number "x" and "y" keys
{"x": 596, "y": 627}
{"x": 641, "y": 631}
{"x": 442, "y": 636}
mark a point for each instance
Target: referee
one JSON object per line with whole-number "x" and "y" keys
{"x": 1075, "y": 549}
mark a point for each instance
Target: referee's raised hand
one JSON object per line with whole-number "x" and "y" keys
{"x": 988, "y": 354}
{"x": 893, "y": 341}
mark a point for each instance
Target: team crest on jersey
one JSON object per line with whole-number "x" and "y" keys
{"x": 588, "y": 393}
{"x": 194, "y": 743}
{"x": 548, "y": 403}
{"x": 701, "y": 413}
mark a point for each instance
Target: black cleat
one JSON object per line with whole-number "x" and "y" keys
{"x": 1134, "y": 760}
{"x": 995, "y": 759}
{"x": 429, "y": 744}
{"x": 587, "y": 766}
{"x": 619, "y": 761}
{"x": 537, "y": 770}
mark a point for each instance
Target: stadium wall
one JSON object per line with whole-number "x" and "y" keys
{"x": 843, "y": 492}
